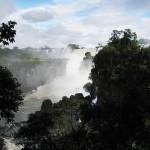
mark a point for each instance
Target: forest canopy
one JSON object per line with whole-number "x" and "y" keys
{"x": 120, "y": 120}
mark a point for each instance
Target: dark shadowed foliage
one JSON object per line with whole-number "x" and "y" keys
{"x": 73, "y": 46}
{"x": 46, "y": 105}
{"x": 120, "y": 120}
{"x": 122, "y": 79}
{"x": 10, "y": 95}
{"x": 36, "y": 131}
{"x": 7, "y": 32}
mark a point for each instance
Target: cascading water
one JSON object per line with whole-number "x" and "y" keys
{"x": 66, "y": 85}
{"x": 69, "y": 84}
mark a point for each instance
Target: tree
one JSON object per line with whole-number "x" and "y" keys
{"x": 36, "y": 131}
{"x": 122, "y": 79}
{"x": 120, "y": 120}
{"x": 87, "y": 61}
{"x": 122, "y": 40}
{"x": 53, "y": 125}
{"x": 88, "y": 56}
{"x": 10, "y": 94}
{"x": 46, "y": 105}
{"x": 73, "y": 46}
{"x": 144, "y": 42}
{"x": 7, "y": 32}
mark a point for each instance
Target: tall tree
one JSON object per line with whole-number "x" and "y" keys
{"x": 10, "y": 94}
{"x": 36, "y": 131}
{"x": 73, "y": 46}
{"x": 122, "y": 79}
{"x": 7, "y": 32}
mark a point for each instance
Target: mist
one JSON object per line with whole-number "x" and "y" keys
{"x": 66, "y": 80}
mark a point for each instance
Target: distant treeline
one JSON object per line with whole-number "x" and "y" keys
{"x": 18, "y": 54}
{"x": 32, "y": 67}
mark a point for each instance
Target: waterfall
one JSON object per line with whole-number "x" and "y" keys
{"x": 66, "y": 85}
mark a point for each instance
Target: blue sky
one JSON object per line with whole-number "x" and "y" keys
{"x": 30, "y": 3}
{"x": 56, "y": 23}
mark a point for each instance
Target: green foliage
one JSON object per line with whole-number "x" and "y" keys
{"x": 88, "y": 56}
{"x": 73, "y": 140}
{"x": 122, "y": 40}
{"x": 46, "y": 128}
{"x": 27, "y": 66}
{"x": 67, "y": 112}
{"x": 144, "y": 42}
{"x": 121, "y": 74}
{"x": 10, "y": 95}
{"x": 46, "y": 105}
{"x": 16, "y": 54}
{"x": 73, "y": 46}
{"x": 88, "y": 87}
{"x": 7, "y": 32}
{"x": 120, "y": 120}
{"x": 87, "y": 61}
{"x": 35, "y": 131}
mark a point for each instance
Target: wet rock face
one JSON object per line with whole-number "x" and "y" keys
{"x": 34, "y": 73}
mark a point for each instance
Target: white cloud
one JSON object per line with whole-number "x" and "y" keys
{"x": 6, "y": 8}
{"x": 61, "y": 23}
{"x": 64, "y": 10}
{"x": 40, "y": 14}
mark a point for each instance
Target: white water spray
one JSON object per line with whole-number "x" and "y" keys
{"x": 69, "y": 84}
{"x": 9, "y": 145}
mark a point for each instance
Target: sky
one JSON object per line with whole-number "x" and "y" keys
{"x": 56, "y": 23}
